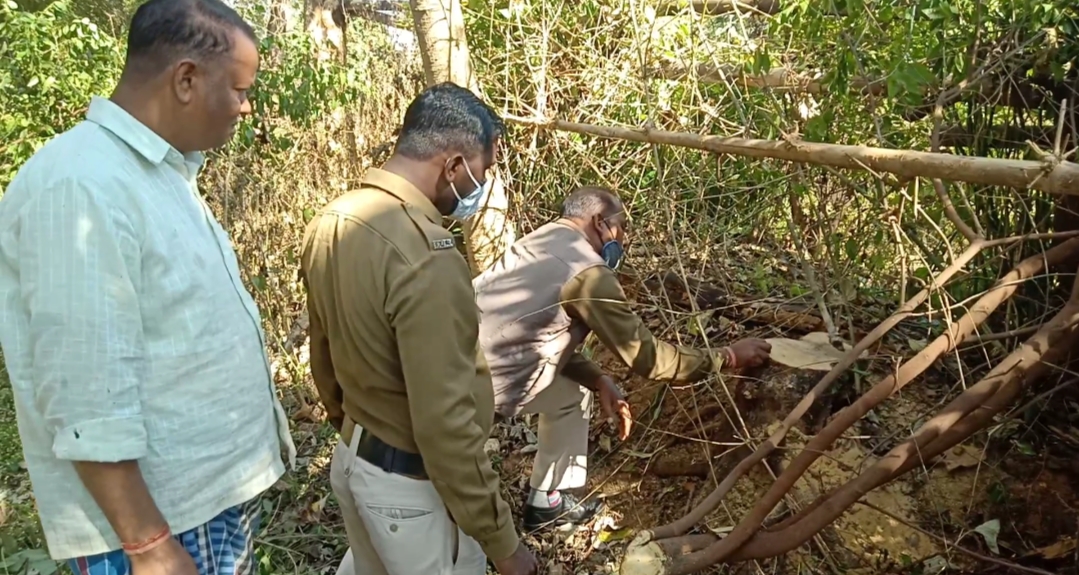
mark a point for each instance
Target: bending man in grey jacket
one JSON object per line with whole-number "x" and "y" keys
{"x": 538, "y": 303}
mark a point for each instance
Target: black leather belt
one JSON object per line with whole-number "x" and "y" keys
{"x": 390, "y": 459}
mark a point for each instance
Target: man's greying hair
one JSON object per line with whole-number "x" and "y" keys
{"x": 164, "y": 31}
{"x": 589, "y": 201}
{"x": 448, "y": 118}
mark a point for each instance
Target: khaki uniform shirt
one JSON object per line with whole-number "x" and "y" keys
{"x": 596, "y": 298}
{"x": 394, "y": 328}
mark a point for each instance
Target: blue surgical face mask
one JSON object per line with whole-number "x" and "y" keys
{"x": 612, "y": 253}
{"x": 468, "y": 205}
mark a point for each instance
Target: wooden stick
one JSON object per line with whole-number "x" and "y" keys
{"x": 1054, "y": 177}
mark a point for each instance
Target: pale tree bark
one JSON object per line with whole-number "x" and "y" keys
{"x": 327, "y": 34}
{"x": 282, "y": 18}
{"x": 440, "y": 33}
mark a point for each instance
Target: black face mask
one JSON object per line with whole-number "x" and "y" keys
{"x": 612, "y": 253}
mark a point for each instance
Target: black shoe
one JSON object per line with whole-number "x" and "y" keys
{"x": 570, "y": 511}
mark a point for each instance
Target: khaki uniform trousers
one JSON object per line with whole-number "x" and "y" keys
{"x": 397, "y": 525}
{"x": 564, "y": 409}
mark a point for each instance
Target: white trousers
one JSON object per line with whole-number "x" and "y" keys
{"x": 564, "y": 410}
{"x": 397, "y": 525}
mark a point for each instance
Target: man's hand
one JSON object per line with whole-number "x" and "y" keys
{"x": 615, "y": 406}
{"x": 750, "y": 352}
{"x": 169, "y": 558}
{"x": 520, "y": 563}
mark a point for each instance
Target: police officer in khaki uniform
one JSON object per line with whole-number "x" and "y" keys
{"x": 394, "y": 353}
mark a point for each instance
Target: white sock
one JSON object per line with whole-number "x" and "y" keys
{"x": 544, "y": 499}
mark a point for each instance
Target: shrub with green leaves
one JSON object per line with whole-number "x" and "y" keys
{"x": 51, "y": 63}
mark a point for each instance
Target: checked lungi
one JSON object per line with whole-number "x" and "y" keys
{"x": 222, "y": 546}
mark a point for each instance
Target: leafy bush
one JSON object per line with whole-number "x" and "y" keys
{"x": 51, "y": 62}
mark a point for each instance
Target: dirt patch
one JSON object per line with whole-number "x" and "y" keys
{"x": 1044, "y": 502}
{"x": 867, "y": 534}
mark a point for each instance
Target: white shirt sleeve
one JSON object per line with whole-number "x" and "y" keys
{"x": 79, "y": 260}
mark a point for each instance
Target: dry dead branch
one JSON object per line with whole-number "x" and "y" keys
{"x": 1058, "y": 177}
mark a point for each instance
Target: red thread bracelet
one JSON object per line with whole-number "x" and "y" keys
{"x": 147, "y": 545}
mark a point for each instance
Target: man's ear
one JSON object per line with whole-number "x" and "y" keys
{"x": 603, "y": 231}
{"x": 453, "y": 166}
{"x": 601, "y": 224}
{"x": 183, "y": 81}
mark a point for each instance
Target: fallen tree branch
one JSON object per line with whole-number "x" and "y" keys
{"x": 910, "y": 369}
{"x": 1006, "y": 380}
{"x": 689, "y": 557}
{"x": 684, "y": 524}
{"x": 1001, "y": 386}
{"x": 995, "y": 391}
{"x": 1049, "y": 176}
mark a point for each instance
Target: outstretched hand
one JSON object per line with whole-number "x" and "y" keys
{"x": 751, "y": 352}
{"x": 615, "y": 406}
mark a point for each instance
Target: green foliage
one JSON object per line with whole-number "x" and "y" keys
{"x": 295, "y": 88}
{"x": 30, "y": 561}
{"x": 51, "y": 62}
{"x": 57, "y": 60}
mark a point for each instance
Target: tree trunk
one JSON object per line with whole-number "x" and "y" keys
{"x": 327, "y": 34}
{"x": 440, "y": 33}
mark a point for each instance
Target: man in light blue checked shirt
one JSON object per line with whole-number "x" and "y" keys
{"x": 145, "y": 402}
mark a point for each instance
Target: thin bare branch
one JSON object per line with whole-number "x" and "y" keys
{"x": 1061, "y": 178}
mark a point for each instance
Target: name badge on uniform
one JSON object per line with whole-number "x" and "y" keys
{"x": 443, "y": 244}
